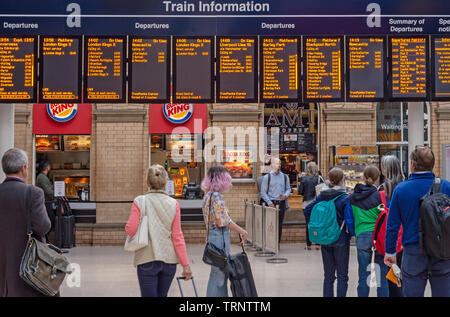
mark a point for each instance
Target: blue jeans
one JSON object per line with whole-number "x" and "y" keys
{"x": 335, "y": 259}
{"x": 217, "y": 283}
{"x": 415, "y": 274}
{"x": 364, "y": 249}
{"x": 155, "y": 278}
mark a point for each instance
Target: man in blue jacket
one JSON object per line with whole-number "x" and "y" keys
{"x": 405, "y": 211}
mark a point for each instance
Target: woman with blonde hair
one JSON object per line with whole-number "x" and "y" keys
{"x": 157, "y": 262}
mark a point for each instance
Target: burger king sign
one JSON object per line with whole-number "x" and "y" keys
{"x": 178, "y": 112}
{"x": 62, "y": 112}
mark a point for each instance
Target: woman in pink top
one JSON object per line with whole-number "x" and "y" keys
{"x": 156, "y": 263}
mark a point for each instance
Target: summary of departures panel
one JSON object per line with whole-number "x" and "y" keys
{"x": 409, "y": 67}
{"x": 60, "y": 69}
{"x": 17, "y": 69}
{"x": 104, "y": 73}
{"x": 149, "y": 69}
{"x": 323, "y": 68}
{"x": 236, "y": 69}
{"x": 193, "y": 69}
{"x": 279, "y": 66}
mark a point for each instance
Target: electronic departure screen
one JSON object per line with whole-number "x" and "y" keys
{"x": 18, "y": 73}
{"x": 193, "y": 69}
{"x": 60, "y": 68}
{"x": 104, "y": 72}
{"x": 409, "y": 57}
{"x": 149, "y": 70}
{"x": 323, "y": 69}
{"x": 237, "y": 62}
{"x": 440, "y": 63}
{"x": 280, "y": 69}
{"x": 366, "y": 68}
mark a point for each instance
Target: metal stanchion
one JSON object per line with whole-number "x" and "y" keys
{"x": 255, "y": 248}
{"x": 263, "y": 252}
{"x": 277, "y": 259}
{"x": 247, "y": 242}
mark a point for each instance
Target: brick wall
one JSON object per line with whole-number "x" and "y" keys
{"x": 23, "y": 136}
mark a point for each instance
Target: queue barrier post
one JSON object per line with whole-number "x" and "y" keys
{"x": 257, "y": 228}
{"x": 277, "y": 259}
{"x": 264, "y": 252}
{"x": 249, "y": 219}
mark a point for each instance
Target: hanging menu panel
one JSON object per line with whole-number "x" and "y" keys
{"x": 440, "y": 65}
{"x": 323, "y": 69}
{"x": 409, "y": 59}
{"x": 237, "y": 70}
{"x": 105, "y": 71}
{"x": 366, "y": 68}
{"x": 280, "y": 69}
{"x": 149, "y": 70}
{"x": 193, "y": 69}
{"x": 18, "y": 71}
{"x": 60, "y": 66}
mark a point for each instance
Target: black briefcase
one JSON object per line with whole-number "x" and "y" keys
{"x": 240, "y": 275}
{"x": 64, "y": 225}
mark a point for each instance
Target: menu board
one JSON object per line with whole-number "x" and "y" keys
{"x": 237, "y": 70}
{"x": 323, "y": 69}
{"x": 238, "y": 162}
{"x": 193, "y": 69}
{"x": 440, "y": 64}
{"x": 60, "y": 67}
{"x": 149, "y": 70}
{"x": 45, "y": 143}
{"x": 18, "y": 72}
{"x": 104, "y": 69}
{"x": 280, "y": 69}
{"x": 366, "y": 68}
{"x": 297, "y": 142}
{"x": 77, "y": 143}
{"x": 409, "y": 56}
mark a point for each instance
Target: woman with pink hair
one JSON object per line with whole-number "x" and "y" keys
{"x": 218, "y": 220}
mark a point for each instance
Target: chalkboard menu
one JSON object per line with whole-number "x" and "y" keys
{"x": 237, "y": 69}
{"x": 366, "y": 68}
{"x": 18, "y": 56}
{"x": 60, "y": 66}
{"x": 409, "y": 59}
{"x": 323, "y": 69}
{"x": 149, "y": 70}
{"x": 193, "y": 69}
{"x": 104, "y": 69}
{"x": 440, "y": 65}
{"x": 280, "y": 69}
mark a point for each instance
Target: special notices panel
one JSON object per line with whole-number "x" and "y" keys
{"x": 18, "y": 69}
{"x": 104, "y": 73}
{"x": 323, "y": 69}
{"x": 440, "y": 62}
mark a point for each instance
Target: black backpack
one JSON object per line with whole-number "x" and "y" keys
{"x": 434, "y": 223}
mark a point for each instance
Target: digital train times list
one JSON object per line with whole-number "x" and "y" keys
{"x": 149, "y": 70}
{"x": 409, "y": 67}
{"x": 441, "y": 68}
{"x": 104, "y": 69}
{"x": 366, "y": 68}
{"x": 280, "y": 70}
{"x": 323, "y": 68}
{"x": 193, "y": 69}
{"x": 60, "y": 69}
{"x": 18, "y": 69}
{"x": 236, "y": 69}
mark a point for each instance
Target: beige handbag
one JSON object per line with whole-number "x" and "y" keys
{"x": 140, "y": 239}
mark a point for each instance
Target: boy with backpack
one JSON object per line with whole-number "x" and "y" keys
{"x": 326, "y": 226}
{"x": 422, "y": 207}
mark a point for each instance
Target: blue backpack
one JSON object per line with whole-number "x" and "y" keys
{"x": 323, "y": 227}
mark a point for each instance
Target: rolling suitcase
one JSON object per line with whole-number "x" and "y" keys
{"x": 193, "y": 284}
{"x": 64, "y": 225}
{"x": 240, "y": 275}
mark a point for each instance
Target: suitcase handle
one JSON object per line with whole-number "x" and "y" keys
{"x": 179, "y": 285}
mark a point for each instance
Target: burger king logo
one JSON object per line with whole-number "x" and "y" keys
{"x": 62, "y": 112}
{"x": 178, "y": 112}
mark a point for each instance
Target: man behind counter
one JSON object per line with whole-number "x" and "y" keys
{"x": 43, "y": 181}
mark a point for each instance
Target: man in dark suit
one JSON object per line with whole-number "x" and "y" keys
{"x": 13, "y": 227}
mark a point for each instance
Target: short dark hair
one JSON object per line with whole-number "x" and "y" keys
{"x": 43, "y": 165}
{"x": 335, "y": 176}
{"x": 423, "y": 158}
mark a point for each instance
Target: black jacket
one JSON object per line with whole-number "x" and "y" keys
{"x": 308, "y": 187}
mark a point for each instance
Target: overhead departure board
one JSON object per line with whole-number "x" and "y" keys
{"x": 409, "y": 58}
{"x": 440, "y": 65}
{"x": 149, "y": 70}
{"x": 280, "y": 69}
{"x": 193, "y": 69}
{"x": 237, "y": 62}
{"x": 18, "y": 56}
{"x": 104, "y": 69}
{"x": 366, "y": 68}
{"x": 60, "y": 68}
{"x": 323, "y": 69}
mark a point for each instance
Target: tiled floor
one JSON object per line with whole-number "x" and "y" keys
{"x": 108, "y": 271}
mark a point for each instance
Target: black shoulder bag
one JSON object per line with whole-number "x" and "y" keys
{"x": 43, "y": 266}
{"x": 212, "y": 255}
